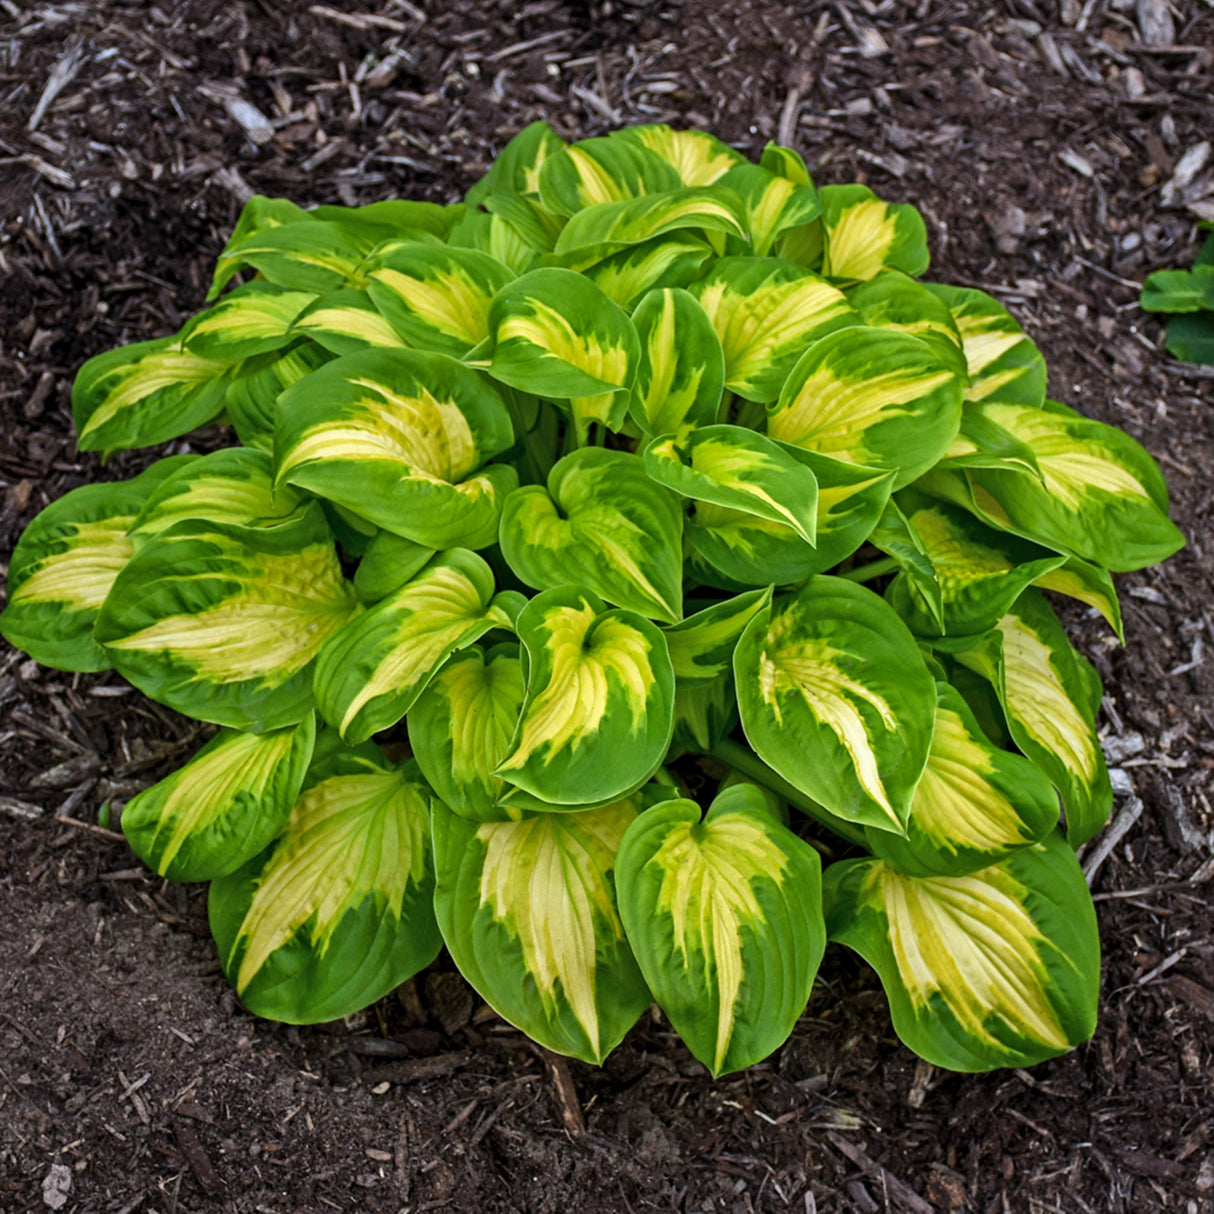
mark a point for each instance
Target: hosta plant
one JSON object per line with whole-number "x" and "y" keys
{"x": 1188, "y": 295}
{"x": 571, "y": 535}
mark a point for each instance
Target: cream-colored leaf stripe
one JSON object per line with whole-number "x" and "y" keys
{"x": 970, "y": 942}
{"x": 82, "y": 573}
{"x": 350, "y": 838}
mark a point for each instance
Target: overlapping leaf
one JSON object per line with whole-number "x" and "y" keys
{"x": 339, "y": 910}
{"x": 725, "y": 919}
{"x": 400, "y": 437}
{"x": 699, "y": 158}
{"x": 864, "y": 234}
{"x": 600, "y": 688}
{"x": 835, "y": 696}
{"x": 346, "y": 321}
{"x": 602, "y": 170}
{"x": 999, "y": 968}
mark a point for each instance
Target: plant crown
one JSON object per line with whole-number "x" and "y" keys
{"x": 567, "y": 483}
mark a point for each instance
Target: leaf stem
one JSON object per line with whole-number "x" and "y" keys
{"x": 751, "y": 766}
{"x": 875, "y": 569}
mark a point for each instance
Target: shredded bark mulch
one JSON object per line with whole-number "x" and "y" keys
{"x": 1058, "y": 153}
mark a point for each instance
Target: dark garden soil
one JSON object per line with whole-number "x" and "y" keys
{"x": 1042, "y": 143}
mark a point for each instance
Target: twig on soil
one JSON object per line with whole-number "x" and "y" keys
{"x": 195, "y": 1156}
{"x": 61, "y": 75}
{"x": 566, "y": 1093}
{"x": 902, "y": 1194}
{"x": 92, "y": 829}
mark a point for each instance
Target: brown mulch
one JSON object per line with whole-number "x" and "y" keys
{"x": 1042, "y": 142}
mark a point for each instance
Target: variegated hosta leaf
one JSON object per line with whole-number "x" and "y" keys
{"x": 501, "y": 238}
{"x": 1050, "y": 695}
{"x": 461, "y": 725}
{"x": 999, "y": 968}
{"x": 1004, "y": 365}
{"x": 736, "y": 467}
{"x": 65, "y": 563}
{"x": 224, "y": 806}
{"x": 437, "y": 298}
{"x": 398, "y": 437}
{"x": 600, "y": 689}
{"x": 516, "y": 169}
{"x": 370, "y": 672}
{"x": 786, "y": 162}
{"x": 604, "y": 524}
{"x": 346, "y": 321}
{"x": 725, "y": 919}
{"x": 340, "y": 909}
{"x": 602, "y": 170}
{"x": 894, "y": 300}
{"x": 698, "y": 157}
{"x": 252, "y": 393}
{"x": 147, "y": 393}
{"x": 980, "y": 572}
{"x": 835, "y": 696}
{"x": 751, "y": 551}
{"x": 388, "y": 563}
{"x": 864, "y": 234}
{"x": 802, "y": 244}
{"x": 528, "y": 912}
{"x": 528, "y": 219}
{"x": 1103, "y": 496}
{"x": 554, "y": 333}
{"x": 981, "y": 443}
{"x": 771, "y": 204}
{"x": 701, "y": 654}
{"x": 681, "y": 372}
{"x": 670, "y": 261}
{"x": 259, "y": 214}
{"x": 608, "y": 227}
{"x": 223, "y": 623}
{"x": 895, "y": 536}
{"x": 975, "y": 803}
{"x": 312, "y": 254}
{"x": 1090, "y": 584}
{"x": 253, "y": 319}
{"x": 234, "y": 485}
{"x": 873, "y": 397}
{"x": 767, "y": 312}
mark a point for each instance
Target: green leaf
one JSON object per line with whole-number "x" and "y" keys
{"x": 1101, "y": 496}
{"x": 554, "y": 333}
{"x": 999, "y": 968}
{"x": 736, "y": 467}
{"x": 602, "y": 170}
{"x": 893, "y": 300}
{"x": 461, "y": 725}
{"x": 1179, "y": 290}
{"x": 234, "y": 486}
{"x": 528, "y": 912}
{"x": 64, "y": 565}
{"x": 767, "y": 312}
{"x": 608, "y": 227}
{"x": 864, "y": 234}
{"x": 725, "y": 919}
{"x": 603, "y": 523}
{"x": 340, "y": 909}
{"x": 388, "y": 563}
{"x": 670, "y": 261}
{"x": 895, "y": 536}
{"x": 1090, "y": 584}
{"x": 600, "y": 688}
{"x": 400, "y": 437}
{"x": 1191, "y": 338}
{"x": 224, "y": 806}
{"x": 835, "y": 696}
{"x": 346, "y": 321}
{"x": 980, "y": 572}
{"x": 771, "y": 204}
{"x": 681, "y": 372}
{"x": 874, "y": 397}
{"x": 252, "y": 392}
{"x": 982, "y": 443}
{"x": 147, "y": 393}
{"x": 223, "y": 623}
{"x": 704, "y": 714}
{"x": 369, "y": 672}
{"x": 253, "y": 319}
{"x": 1049, "y": 695}
{"x": 697, "y": 157}
{"x": 516, "y": 170}
{"x": 259, "y": 214}
{"x": 437, "y": 298}
{"x": 516, "y": 244}
{"x": 1004, "y": 365}
{"x": 974, "y": 805}
{"x": 750, "y": 551}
